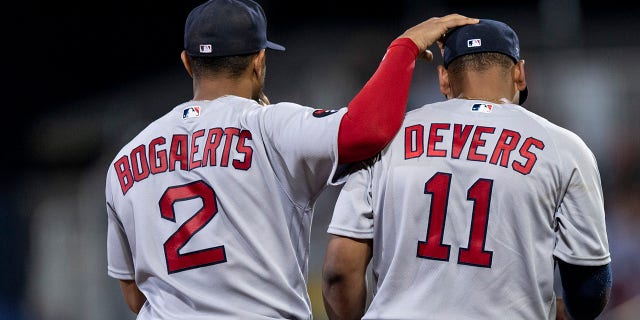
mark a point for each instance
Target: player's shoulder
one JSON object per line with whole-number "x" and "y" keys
{"x": 556, "y": 130}
{"x": 429, "y": 108}
{"x": 564, "y": 140}
{"x": 299, "y": 107}
{"x": 151, "y": 128}
{"x": 200, "y": 108}
{"x": 284, "y": 110}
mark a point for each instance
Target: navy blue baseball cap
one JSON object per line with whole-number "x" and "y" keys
{"x": 485, "y": 36}
{"x": 226, "y": 27}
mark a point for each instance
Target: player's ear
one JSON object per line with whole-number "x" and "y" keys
{"x": 443, "y": 78}
{"x": 518, "y": 76}
{"x": 186, "y": 62}
{"x": 258, "y": 64}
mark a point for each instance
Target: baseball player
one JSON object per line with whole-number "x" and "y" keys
{"x": 210, "y": 206}
{"x": 469, "y": 209}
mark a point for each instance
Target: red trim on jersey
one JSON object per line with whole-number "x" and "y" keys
{"x": 375, "y": 114}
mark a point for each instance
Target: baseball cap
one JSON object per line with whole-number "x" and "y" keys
{"x": 226, "y": 27}
{"x": 486, "y": 36}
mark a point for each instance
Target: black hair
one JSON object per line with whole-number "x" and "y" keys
{"x": 231, "y": 66}
{"x": 480, "y": 62}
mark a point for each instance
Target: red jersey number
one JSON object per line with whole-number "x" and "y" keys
{"x": 433, "y": 247}
{"x": 177, "y": 261}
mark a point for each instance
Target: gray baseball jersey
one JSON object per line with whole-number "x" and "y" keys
{"x": 210, "y": 208}
{"x": 467, "y": 208}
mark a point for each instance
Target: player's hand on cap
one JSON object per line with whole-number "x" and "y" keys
{"x": 428, "y": 32}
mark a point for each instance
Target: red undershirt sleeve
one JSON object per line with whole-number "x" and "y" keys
{"x": 375, "y": 114}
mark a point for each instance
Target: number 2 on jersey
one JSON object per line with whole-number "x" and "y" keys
{"x": 177, "y": 261}
{"x": 433, "y": 248}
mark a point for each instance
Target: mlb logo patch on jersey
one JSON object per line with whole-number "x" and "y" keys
{"x": 191, "y": 112}
{"x": 319, "y": 113}
{"x": 472, "y": 43}
{"x": 481, "y": 107}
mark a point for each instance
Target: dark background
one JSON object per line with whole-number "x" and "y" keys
{"x": 94, "y": 44}
{"x": 57, "y": 52}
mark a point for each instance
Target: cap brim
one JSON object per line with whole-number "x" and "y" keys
{"x": 523, "y": 95}
{"x": 274, "y": 46}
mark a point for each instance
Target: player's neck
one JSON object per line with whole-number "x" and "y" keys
{"x": 486, "y": 92}
{"x": 487, "y": 86}
{"x": 211, "y": 89}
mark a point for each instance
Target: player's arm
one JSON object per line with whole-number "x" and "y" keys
{"x": 132, "y": 295}
{"x": 561, "y": 310}
{"x": 375, "y": 114}
{"x": 344, "y": 289}
{"x": 587, "y": 289}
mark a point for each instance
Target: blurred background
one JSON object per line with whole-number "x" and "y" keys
{"x": 83, "y": 78}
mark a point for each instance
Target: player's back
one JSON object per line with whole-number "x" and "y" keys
{"x": 466, "y": 199}
{"x": 216, "y": 213}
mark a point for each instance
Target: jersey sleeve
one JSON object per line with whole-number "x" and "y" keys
{"x": 376, "y": 112}
{"x": 119, "y": 258}
{"x": 301, "y": 143}
{"x": 353, "y": 211}
{"x": 581, "y": 237}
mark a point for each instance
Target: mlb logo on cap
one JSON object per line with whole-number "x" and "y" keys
{"x": 206, "y": 48}
{"x": 474, "y": 43}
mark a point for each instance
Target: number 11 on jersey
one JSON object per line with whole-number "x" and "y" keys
{"x": 433, "y": 247}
